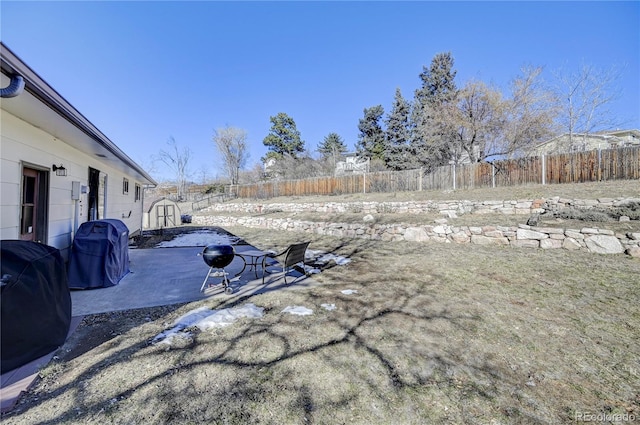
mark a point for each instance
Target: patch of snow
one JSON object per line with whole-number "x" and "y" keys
{"x": 328, "y": 307}
{"x": 311, "y": 270}
{"x": 228, "y": 316}
{"x": 349, "y": 291}
{"x": 199, "y": 238}
{"x": 322, "y": 257}
{"x": 182, "y": 323}
{"x": 205, "y": 318}
{"x": 299, "y": 310}
{"x": 173, "y": 338}
{"x": 310, "y": 254}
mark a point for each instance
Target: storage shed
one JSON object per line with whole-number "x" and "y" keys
{"x": 162, "y": 213}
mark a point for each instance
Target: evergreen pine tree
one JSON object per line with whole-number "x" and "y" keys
{"x": 397, "y": 155}
{"x": 431, "y": 139}
{"x": 332, "y": 146}
{"x": 371, "y": 140}
{"x": 284, "y": 138}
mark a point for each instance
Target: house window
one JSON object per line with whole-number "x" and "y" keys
{"x": 125, "y": 186}
{"x": 138, "y": 192}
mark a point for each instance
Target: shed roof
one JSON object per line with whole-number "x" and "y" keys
{"x": 149, "y": 203}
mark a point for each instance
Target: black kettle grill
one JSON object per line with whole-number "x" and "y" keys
{"x": 218, "y": 257}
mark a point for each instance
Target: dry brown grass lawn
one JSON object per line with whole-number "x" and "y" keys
{"x": 436, "y": 333}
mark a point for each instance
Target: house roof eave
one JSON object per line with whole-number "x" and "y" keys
{"x": 40, "y": 90}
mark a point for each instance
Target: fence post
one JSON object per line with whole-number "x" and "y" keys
{"x": 544, "y": 169}
{"x": 599, "y": 164}
{"x": 453, "y": 166}
{"x": 420, "y": 180}
{"x": 493, "y": 176}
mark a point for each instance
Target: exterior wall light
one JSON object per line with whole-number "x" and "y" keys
{"x": 60, "y": 170}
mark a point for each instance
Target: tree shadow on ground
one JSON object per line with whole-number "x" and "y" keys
{"x": 378, "y": 348}
{"x": 394, "y": 355}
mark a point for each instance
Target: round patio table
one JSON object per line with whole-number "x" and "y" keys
{"x": 253, "y": 258}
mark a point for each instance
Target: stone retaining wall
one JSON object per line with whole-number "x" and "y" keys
{"x": 450, "y": 209}
{"x": 523, "y": 236}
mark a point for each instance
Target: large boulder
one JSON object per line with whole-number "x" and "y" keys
{"x": 604, "y": 244}
{"x": 634, "y": 251}
{"x": 530, "y": 234}
{"x": 417, "y": 234}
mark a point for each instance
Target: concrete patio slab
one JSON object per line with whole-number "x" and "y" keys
{"x": 165, "y": 276}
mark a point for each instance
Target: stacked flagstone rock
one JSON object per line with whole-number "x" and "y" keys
{"x": 450, "y": 209}
{"x": 590, "y": 239}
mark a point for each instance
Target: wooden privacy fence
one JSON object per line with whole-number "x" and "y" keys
{"x": 596, "y": 165}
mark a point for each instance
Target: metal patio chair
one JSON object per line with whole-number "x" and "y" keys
{"x": 290, "y": 257}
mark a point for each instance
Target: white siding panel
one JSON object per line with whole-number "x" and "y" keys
{"x": 60, "y": 235}
{"x": 10, "y": 223}
{"x": 10, "y": 176}
{"x": 8, "y": 169}
{"x": 8, "y": 233}
{"x": 9, "y": 202}
{"x": 10, "y": 194}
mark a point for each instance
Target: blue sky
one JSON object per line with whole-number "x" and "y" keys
{"x": 146, "y": 71}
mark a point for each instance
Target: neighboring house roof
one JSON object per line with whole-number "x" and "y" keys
{"x": 270, "y": 162}
{"x": 353, "y": 163}
{"x": 602, "y": 138}
{"x": 42, "y": 106}
{"x": 623, "y": 133}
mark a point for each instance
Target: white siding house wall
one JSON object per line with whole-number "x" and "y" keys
{"x": 9, "y": 195}
{"x": 23, "y": 144}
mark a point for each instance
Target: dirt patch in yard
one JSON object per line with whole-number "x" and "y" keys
{"x": 98, "y": 329}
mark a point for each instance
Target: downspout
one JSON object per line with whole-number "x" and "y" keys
{"x": 144, "y": 190}
{"x": 15, "y": 87}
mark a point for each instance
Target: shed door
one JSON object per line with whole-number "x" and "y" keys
{"x": 166, "y": 215}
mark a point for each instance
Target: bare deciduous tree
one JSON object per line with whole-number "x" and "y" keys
{"x": 486, "y": 124}
{"x": 204, "y": 174}
{"x": 254, "y": 174}
{"x": 585, "y": 97}
{"x": 300, "y": 167}
{"x": 531, "y": 113}
{"x": 231, "y": 142}
{"x": 177, "y": 159}
{"x": 477, "y": 117}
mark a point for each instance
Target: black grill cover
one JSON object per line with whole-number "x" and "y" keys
{"x": 35, "y": 302}
{"x": 100, "y": 254}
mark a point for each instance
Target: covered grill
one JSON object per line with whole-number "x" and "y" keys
{"x": 218, "y": 257}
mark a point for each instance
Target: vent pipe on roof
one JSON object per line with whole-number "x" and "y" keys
{"x": 14, "y": 88}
